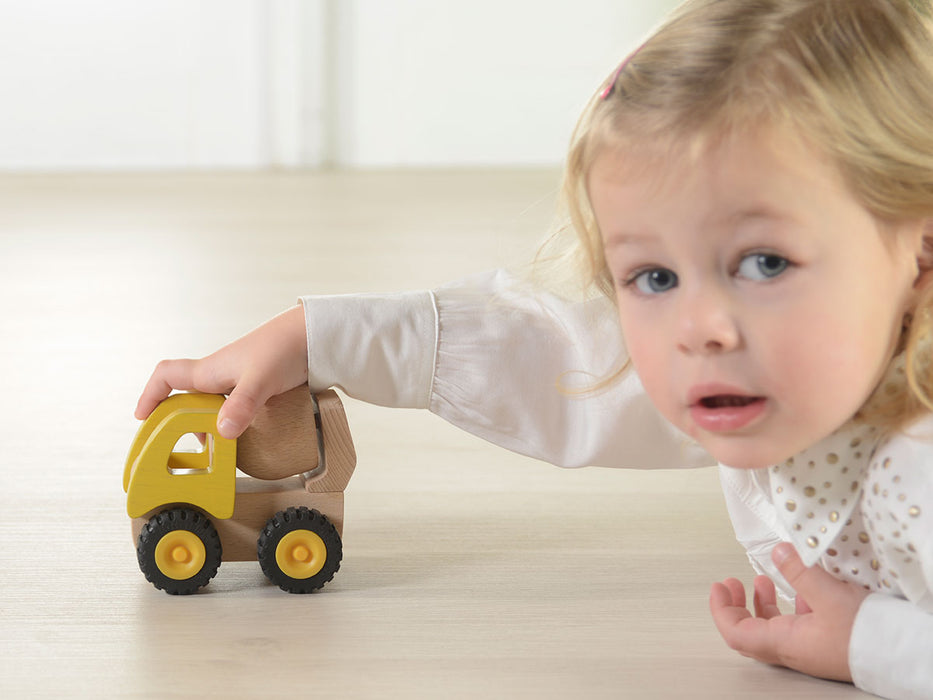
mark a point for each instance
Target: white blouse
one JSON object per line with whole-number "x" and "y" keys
{"x": 501, "y": 360}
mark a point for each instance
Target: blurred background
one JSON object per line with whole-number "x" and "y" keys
{"x": 258, "y": 84}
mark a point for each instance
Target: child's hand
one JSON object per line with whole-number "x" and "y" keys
{"x": 815, "y": 640}
{"x": 267, "y": 361}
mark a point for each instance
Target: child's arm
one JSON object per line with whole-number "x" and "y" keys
{"x": 486, "y": 354}
{"x": 499, "y": 359}
{"x": 891, "y": 651}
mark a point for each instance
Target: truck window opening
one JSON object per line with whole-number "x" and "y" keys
{"x": 193, "y": 454}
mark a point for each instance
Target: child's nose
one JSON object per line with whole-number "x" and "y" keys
{"x": 707, "y": 323}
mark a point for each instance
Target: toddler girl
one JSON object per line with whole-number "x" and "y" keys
{"x": 751, "y": 192}
{"x": 754, "y": 187}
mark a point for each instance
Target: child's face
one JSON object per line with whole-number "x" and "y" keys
{"x": 759, "y": 302}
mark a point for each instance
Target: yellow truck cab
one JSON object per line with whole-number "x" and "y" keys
{"x": 191, "y": 510}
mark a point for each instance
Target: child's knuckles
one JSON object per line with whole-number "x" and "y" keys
{"x": 204, "y": 374}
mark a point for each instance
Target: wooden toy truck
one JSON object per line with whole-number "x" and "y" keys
{"x": 191, "y": 511}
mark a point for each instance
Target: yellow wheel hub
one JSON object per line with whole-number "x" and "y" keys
{"x": 301, "y": 554}
{"x": 180, "y": 554}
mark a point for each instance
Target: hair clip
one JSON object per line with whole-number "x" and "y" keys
{"x": 612, "y": 83}
{"x": 608, "y": 90}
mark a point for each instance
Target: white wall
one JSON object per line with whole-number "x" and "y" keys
{"x": 481, "y": 82}
{"x": 107, "y": 84}
{"x": 176, "y": 84}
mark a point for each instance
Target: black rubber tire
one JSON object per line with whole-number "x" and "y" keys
{"x": 290, "y": 520}
{"x": 170, "y": 521}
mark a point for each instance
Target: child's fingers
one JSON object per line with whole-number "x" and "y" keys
{"x": 719, "y": 597}
{"x": 235, "y": 415}
{"x": 747, "y": 634}
{"x": 167, "y": 376}
{"x": 727, "y": 602}
{"x": 811, "y": 583}
{"x": 736, "y": 590}
{"x": 740, "y": 630}
{"x": 765, "y": 599}
{"x": 727, "y": 606}
{"x": 239, "y": 409}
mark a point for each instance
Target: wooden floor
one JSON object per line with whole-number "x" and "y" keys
{"x": 468, "y": 571}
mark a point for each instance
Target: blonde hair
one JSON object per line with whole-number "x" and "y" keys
{"x": 854, "y": 76}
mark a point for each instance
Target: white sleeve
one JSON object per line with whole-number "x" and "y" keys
{"x": 495, "y": 358}
{"x": 891, "y": 649}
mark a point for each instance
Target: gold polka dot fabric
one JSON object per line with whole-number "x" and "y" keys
{"x": 816, "y": 492}
{"x": 862, "y": 507}
{"x": 897, "y": 507}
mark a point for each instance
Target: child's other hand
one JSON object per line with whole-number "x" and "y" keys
{"x": 815, "y": 640}
{"x": 267, "y": 361}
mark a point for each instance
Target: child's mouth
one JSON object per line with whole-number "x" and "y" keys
{"x": 726, "y": 412}
{"x": 727, "y": 401}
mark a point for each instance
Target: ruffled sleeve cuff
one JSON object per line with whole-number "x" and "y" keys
{"x": 378, "y": 348}
{"x": 513, "y": 366}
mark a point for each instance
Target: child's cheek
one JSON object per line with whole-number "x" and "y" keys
{"x": 656, "y": 372}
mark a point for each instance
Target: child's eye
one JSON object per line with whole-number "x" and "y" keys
{"x": 653, "y": 281}
{"x": 762, "y": 266}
